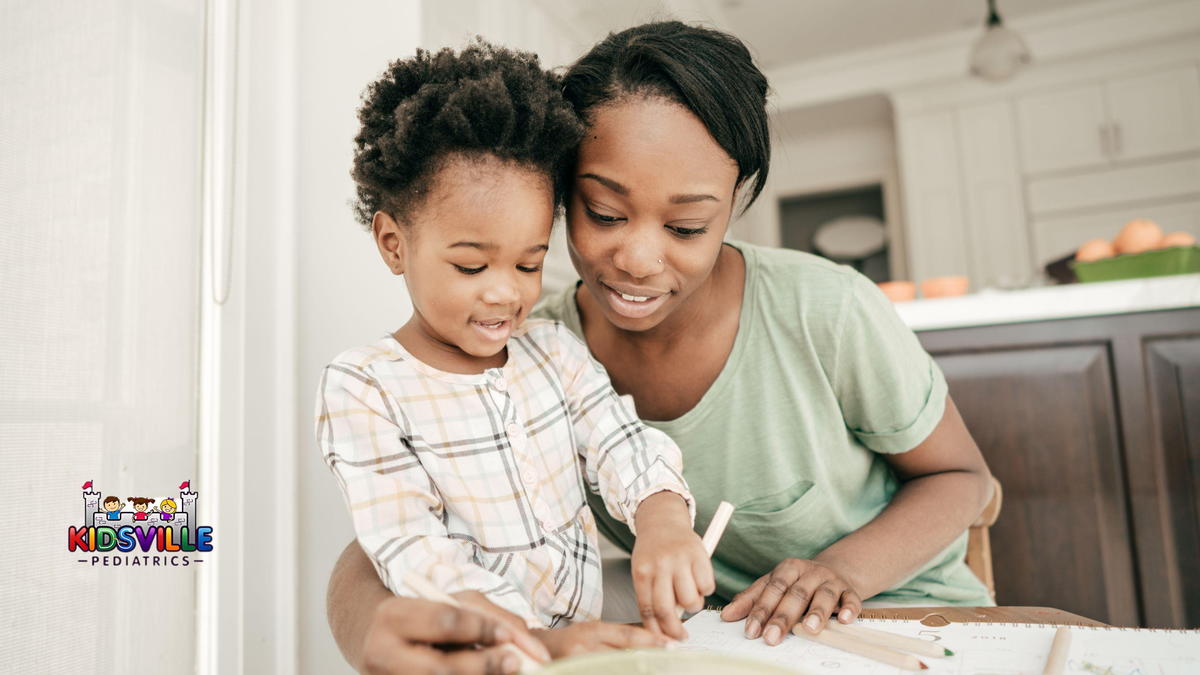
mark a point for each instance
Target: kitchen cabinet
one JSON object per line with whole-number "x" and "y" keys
{"x": 1128, "y": 118}
{"x": 1063, "y": 129}
{"x": 964, "y": 204}
{"x": 996, "y": 183}
{"x": 993, "y": 198}
{"x": 1092, "y": 425}
{"x": 937, "y": 238}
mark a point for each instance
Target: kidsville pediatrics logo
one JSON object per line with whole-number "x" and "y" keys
{"x": 152, "y": 532}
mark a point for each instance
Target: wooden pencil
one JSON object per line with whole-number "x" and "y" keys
{"x": 712, "y": 534}
{"x": 430, "y": 592}
{"x": 1058, "y": 652}
{"x": 716, "y": 527}
{"x": 886, "y": 639}
{"x": 848, "y": 643}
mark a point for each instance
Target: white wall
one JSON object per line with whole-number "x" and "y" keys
{"x": 346, "y": 296}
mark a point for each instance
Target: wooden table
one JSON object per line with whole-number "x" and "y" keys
{"x": 940, "y": 616}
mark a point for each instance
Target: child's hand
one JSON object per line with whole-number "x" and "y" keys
{"x": 670, "y": 567}
{"x": 596, "y": 636}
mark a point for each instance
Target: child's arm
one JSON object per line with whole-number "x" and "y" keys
{"x": 638, "y": 470}
{"x": 396, "y": 508}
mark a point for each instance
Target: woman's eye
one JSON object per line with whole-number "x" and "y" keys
{"x": 530, "y": 268}
{"x": 688, "y": 231}
{"x": 470, "y": 270}
{"x": 601, "y": 218}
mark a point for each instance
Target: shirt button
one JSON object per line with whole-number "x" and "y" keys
{"x": 499, "y": 384}
{"x": 528, "y": 478}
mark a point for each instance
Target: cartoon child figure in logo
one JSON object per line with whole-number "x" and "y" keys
{"x": 112, "y": 507}
{"x": 140, "y": 504}
{"x": 167, "y": 510}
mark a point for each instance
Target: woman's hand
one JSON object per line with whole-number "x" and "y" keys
{"x": 410, "y": 636}
{"x": 521, "y": 636}
{"x": 670, "y": 567}
{"x": 796, "y": 589}
{"x": 596, "y": 636}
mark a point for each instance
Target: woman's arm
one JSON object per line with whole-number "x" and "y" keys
{"x": 354, "y": 594}
{"x": 945, "y": 485}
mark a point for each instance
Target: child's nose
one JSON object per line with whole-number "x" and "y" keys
{"x": 501, "y": 293}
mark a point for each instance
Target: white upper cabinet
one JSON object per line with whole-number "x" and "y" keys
{"x": 937, "y": 233}
{"x": 1154, "y": 114}
{"x": 1126, "y": 118}
{"x": 994, "y": 203}
{"x": 1063, "y": 129}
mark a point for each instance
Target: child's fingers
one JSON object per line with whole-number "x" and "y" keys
{"x": 702, "y": 572}
{"x": 643, "y": 589}
{"x": 664, "y": 607}
{"x": 686, "y": 594}
{"x": 625, "y": 636}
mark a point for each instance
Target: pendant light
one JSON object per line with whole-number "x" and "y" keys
{"x": 1000, "y": 52}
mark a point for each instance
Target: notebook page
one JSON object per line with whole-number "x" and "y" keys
{"x": 980, "y": 649}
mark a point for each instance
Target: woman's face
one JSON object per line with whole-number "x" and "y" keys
{"x": 648, "y": 210}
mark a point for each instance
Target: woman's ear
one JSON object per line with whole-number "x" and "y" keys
{"x": 390, "y": 240}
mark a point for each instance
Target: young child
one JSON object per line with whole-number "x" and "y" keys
{"x": 465, "y": 441}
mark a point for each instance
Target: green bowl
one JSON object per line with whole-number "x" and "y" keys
{"x": 663, "y": 662}
{"x": 1158, "y": 263}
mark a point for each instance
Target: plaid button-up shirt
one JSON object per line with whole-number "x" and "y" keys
{"x": 477, "y": 481}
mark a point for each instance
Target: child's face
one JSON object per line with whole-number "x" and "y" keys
{"x": 112, "y": 505}
{"x": 140, "y": 507}
{"x": 472, "y": 253}
{"x": 168, "y": 508}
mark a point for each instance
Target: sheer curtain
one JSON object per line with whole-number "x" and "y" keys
{"x": 100, "y": 137}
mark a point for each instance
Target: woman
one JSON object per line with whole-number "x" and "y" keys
{"x": 791, "y": 385}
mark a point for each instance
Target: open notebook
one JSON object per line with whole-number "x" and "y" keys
{"x": 980, "y": 648}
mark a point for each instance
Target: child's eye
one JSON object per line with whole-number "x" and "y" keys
{"x": 608, "y": 220}
{"x": 470, "y": 270}
{"x": 530, "y": 268}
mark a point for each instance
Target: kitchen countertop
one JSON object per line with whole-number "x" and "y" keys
{"x": 1052, "y": 302}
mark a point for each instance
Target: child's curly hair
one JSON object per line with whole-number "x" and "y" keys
{"x": 485, "y": 100}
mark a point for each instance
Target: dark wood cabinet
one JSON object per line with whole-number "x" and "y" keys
{"x": 1093, "y": 427}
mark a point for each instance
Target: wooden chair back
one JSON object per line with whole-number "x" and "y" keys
{"x": 979, "y": 546}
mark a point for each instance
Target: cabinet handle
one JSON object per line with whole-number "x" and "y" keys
{"x": 1116, "y": 135}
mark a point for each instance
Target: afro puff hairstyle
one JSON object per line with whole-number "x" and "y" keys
{"x": 483, "y": 101}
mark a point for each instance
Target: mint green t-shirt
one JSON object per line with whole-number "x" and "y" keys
{"x": 823, "y": 379}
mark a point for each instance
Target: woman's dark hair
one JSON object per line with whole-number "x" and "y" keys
{"x": 485, "y": 100}
{"x": 709, "y": 72}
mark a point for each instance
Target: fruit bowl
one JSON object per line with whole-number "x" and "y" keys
{"x": 1156, "y": 263}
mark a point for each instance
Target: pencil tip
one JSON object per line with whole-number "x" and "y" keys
{"x": 923, "y": 666}
{"x": 948, "y": 651}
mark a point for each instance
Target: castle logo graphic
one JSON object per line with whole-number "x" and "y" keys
{"x": 135, "y": 536}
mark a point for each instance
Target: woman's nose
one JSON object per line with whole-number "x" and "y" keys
{"x": 638, "y": 256}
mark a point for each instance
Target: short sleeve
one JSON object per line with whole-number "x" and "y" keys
{"x": 891, "y": 392}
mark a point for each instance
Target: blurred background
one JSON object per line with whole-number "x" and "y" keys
{"x": 178, "y": 259}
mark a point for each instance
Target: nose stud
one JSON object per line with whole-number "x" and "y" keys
{"x": 660, "y": 261}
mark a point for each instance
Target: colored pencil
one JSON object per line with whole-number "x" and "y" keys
{"x": 867, "y": 650}
{"x": 1058, "y": 652}
{"x": 886, "y": 639}
{"x": 712, "y": 534}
